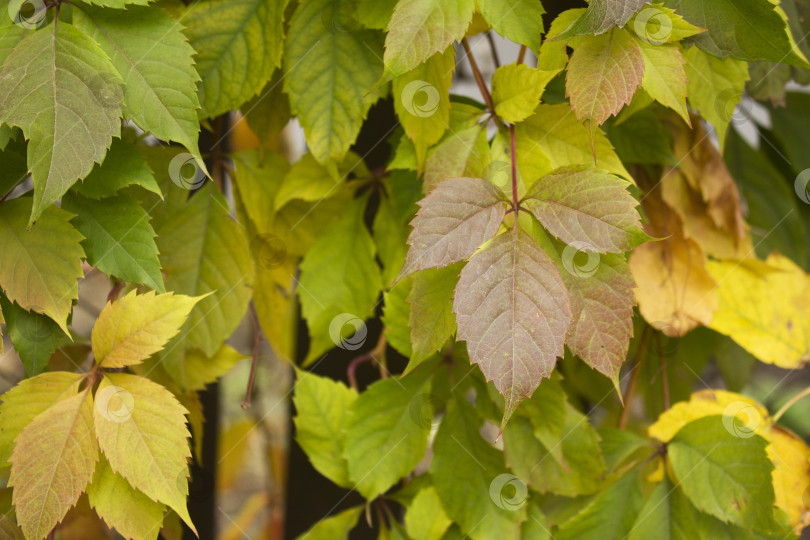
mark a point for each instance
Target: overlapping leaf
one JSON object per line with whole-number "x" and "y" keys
{"x": 601, "y": 16}
{"x": 516, "y": 90}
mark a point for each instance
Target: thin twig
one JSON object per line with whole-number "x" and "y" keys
{"x": 372, "y": 356}
{"x": 641, "y": 352}
{"x": 792, "y": 401}
{"x": 479, "y": 79}
{"x": 522, "y": 54}
{"x": 493, "y": 50}
{"x": 257, "y": 338}
{"x": 115, "y": 290}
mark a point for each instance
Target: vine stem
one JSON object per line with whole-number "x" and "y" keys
{"x": 792, "y": 401}
{"x": 479, "y": 79}
{"x": 257, "y": 337}
{"x": 641, "y": 352}
{"x": 521, "y": 54}
{"x": 372, "y": 356}
{"x": 493, "y": 49}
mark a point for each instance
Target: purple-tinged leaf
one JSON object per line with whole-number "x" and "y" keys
{"x": 601, "y": 16}
{"x": 513, "y": 311}
{"x": 454, "y": 220}
{"x": 589, "y": 207}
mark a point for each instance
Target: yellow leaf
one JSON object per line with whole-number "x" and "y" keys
{"x": 765, "y": 312}
{"x": 135, "y": 327}
{"x": 791, "y": 477}
{"x": 141, "y": 428}
{"x": 53, "y": 461}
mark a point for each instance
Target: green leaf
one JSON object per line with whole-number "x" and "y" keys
{"x": 202, "y": 251}
{"x": 122, "y": 166}
{"x": 122, "y": 507}
{"x": 35, "y": 337}
{"x": 199, "y": 369}
{"x": 386, "y": 435}
{"x": 375, "y": 13}
{"x": 657, "y": 25}
{"x": 453, "y": 221}
{"x": 65, "y": 94}
{"x": 537, "y": 527}
{"x": 53, "y": 461}
{"x": 238, "y": 45}
{"x": 516, "y": 90}
{"x": 520, "y": 21}
{"x": 130, "y": 330}
{"x": 391, "y": 222}
{"x": 546, "y": 411}
{"x": 715, "y": 87}
{"x": 396, "y": 316}
{"x": 601, "y": 16}
{"x": 424, "y": 518}
{"x": 724, "y": 475}
{"x": 14, "y": 165}
{"x": 340, "y": 281}
{"x": 588, "y": 209}
{"x": 43, "y": 263}
{"x": 421, "y": 28}
{"x": 25, "y": 401}
{"x": 471, "y": 480}
{"x": 513, "y": 311}
{"x": 308, "y": 180}
{"x": 118, "y": 238}
{"x": 657, "y": 518}
{"x": 609, "y": 516}
{"x": 603, "y": 74}
{"x": 335, "y": 527}
{"x": 642, "y": 138}
{"x": 461, "y": 153}
{"x": 554, "y": 136}
{"x": 322, "y": 410}
{"x": 269, "y": 112}
{"x": 664, "y": 76}
{"x": 141, "y": 428}
{"x": 330, "y": 75}
{"x": 432, "y": 321}
{"x": 760, "y": 29}
{"x": 149, "y": 50}
{"x": 422, "y": 101}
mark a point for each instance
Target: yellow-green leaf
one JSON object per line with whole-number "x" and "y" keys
{"x": 664, "y": 76}
{"x": 516, "y": 90}
{"x": 135, "y": 327}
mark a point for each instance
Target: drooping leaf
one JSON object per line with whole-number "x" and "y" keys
{"x": 202, "y": 251}
{"x": 330, "y": 74}
{"x": 516, "y": 90}
{"x": 432, "y": 321}
{"x": 665, "y": 77}
{"x": 723, "y": 475}
{"x": 454, "y": 220}
{"x": 591, "y": 207}
{"x": 421, "y": 28}
{"x": 603, "y": 74}
{"x": 27, "y": 400}
{"x": 470, "y": 478}
{"x": 141, "y": 428}
{"x": 386, "y": 435}
{"x": 238, "y": 45}
{"x": 131, "y": 329}
{"x": 520, "y": 21}
{"x": 118, "y": 238}
{"x": 53, "y": 460}
{"x": 760, "y": 29}
{"x": 122, "y": 166}
{"x": 340, "y": 280}
{"x": 425, "y": 519}
{"x": 149, "y": 50}
{"x": 335, "y": 527}
{"x": 322, "y": 410}
{"x": 513, "y": 311}
{"x": 65, "y": 94}
{"x": 41, "y": 264}
{"x": 35, "y": 337}
{"x": 122, "y": 507}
